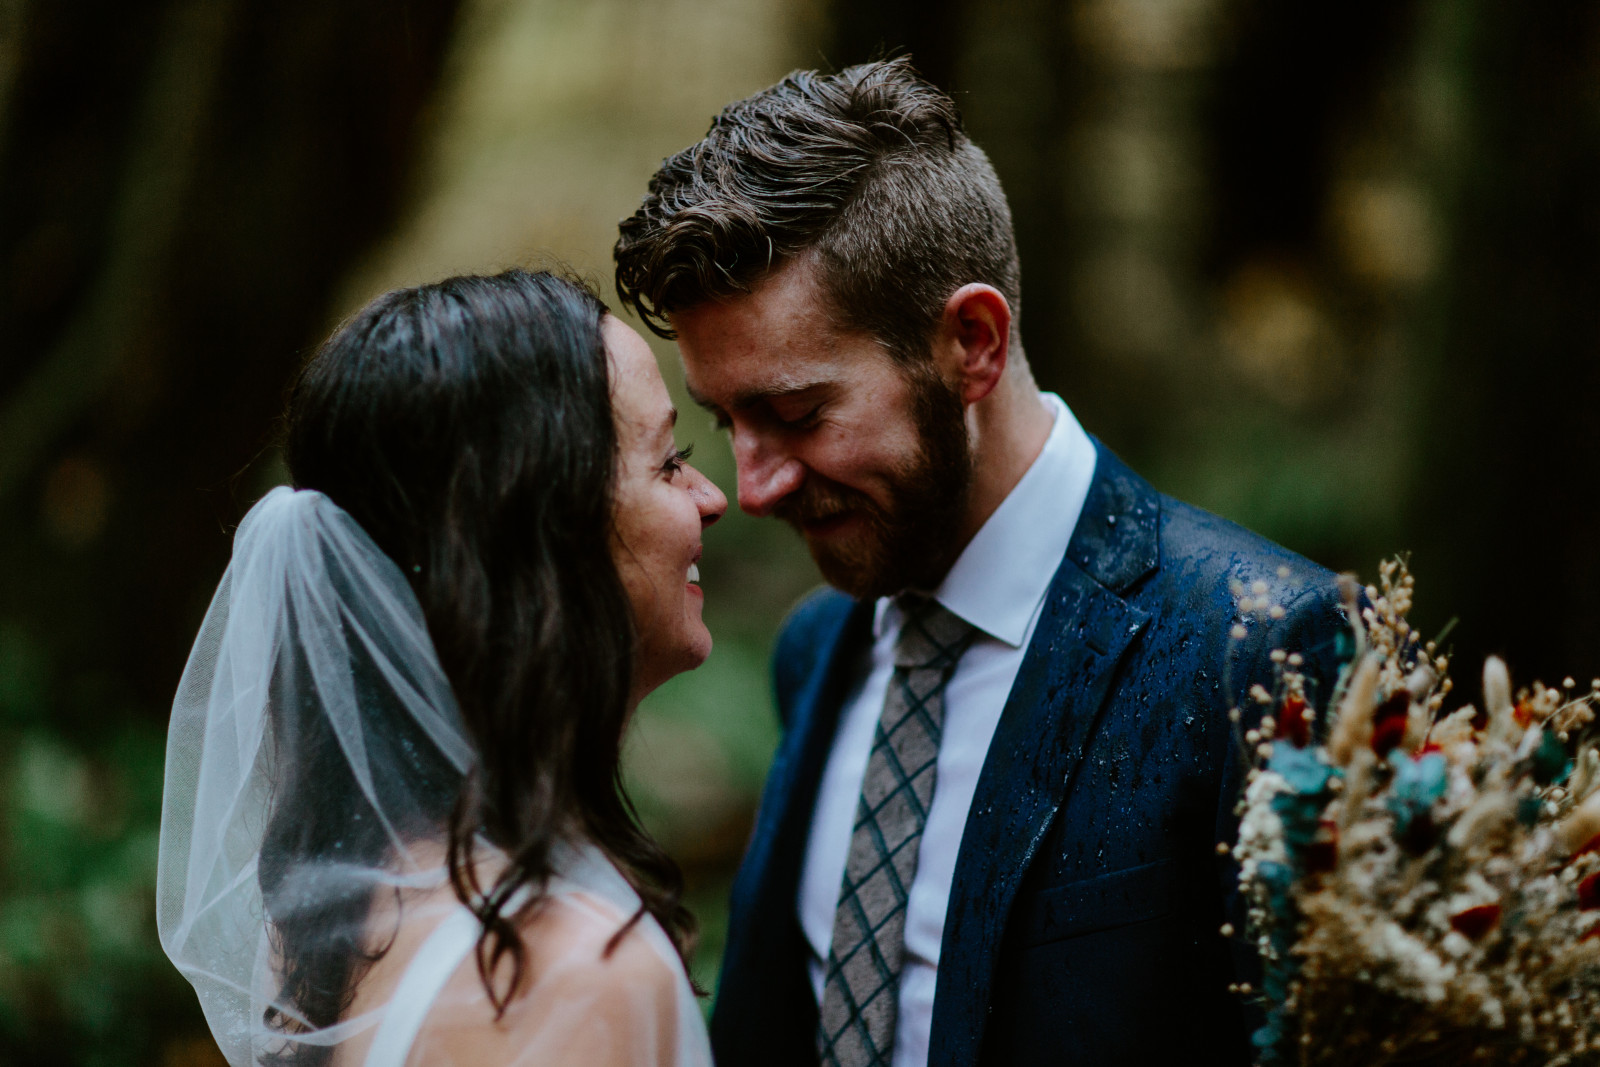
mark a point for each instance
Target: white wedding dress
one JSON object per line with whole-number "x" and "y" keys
{"x": 586, "y": 1006}
{"x": 314, "y": 754}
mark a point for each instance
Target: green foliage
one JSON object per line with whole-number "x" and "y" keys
{"x": 80, "y": 965}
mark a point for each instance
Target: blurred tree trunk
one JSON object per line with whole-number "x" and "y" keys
{"x": 1507, "y": 507}
{"x": 182, "y": 183}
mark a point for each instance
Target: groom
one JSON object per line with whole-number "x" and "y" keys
{"x": 990, "y": 831}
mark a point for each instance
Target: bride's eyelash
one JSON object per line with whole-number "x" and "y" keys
{"x": 678, "y": 458}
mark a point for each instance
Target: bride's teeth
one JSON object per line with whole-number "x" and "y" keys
{"x": 694, "y": 572}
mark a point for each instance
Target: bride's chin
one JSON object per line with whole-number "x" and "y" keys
{"x": 689, "y": 654}
{"x": 701, "y": 650}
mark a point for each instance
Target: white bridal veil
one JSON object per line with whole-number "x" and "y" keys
{"x": 313, "y": 756}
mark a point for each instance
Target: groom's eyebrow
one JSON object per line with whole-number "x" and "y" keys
{"x": 748, "y": 398}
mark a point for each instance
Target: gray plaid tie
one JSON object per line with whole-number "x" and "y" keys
{"x": 860, "y": 995}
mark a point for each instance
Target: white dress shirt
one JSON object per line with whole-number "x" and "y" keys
{"x": 998, "y": 584}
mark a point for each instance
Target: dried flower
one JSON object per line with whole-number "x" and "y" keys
{"x": 1426, "y": 885}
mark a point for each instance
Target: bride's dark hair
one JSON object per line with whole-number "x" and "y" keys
{"x": 467, "y": 427}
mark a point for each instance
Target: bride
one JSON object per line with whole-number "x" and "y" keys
{"x": 393, "y": 829}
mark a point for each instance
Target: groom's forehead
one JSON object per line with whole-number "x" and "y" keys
{"x": 741, "y": 368}
{"x": 788, "y": 301}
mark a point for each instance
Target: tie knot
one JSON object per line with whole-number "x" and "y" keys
{"x": 931, "y": 636}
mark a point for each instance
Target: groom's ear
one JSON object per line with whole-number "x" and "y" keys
{"x": 974, "y": 339}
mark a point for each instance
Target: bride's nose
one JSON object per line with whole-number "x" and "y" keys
{"x": 708, "y": 498}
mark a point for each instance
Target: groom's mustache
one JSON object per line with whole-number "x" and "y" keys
{"x": 819, "y": 500}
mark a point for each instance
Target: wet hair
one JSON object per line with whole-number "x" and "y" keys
{"x": 866, "y": 172}
{"x": 467, "y": 427}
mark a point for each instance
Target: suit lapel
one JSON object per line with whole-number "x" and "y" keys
{"x": 1050, "y": 716}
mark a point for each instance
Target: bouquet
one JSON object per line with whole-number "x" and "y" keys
{"x": 1422, "y": 885}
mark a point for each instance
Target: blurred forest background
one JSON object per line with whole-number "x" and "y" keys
{"x": 1330, "y": 269}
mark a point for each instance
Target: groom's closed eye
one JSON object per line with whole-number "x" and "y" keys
{"x": 790, "y": 404}
{"x": 797, "y": 416}
{"x": 786, "y": 416}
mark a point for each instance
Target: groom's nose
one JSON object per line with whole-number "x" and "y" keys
{"x": 766, "y": 474}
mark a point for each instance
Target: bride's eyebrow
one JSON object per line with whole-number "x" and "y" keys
{"x": 668, "y": 422}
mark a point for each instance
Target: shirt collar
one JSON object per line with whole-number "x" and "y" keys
{"x": 1001, "y": 577}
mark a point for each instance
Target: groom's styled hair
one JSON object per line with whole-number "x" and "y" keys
{"x": 867, "y": 172}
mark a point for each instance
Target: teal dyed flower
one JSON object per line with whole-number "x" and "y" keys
{"x": 1418, "y": 783}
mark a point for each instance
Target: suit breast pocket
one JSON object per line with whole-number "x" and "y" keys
{"x": 1120, "y": 898}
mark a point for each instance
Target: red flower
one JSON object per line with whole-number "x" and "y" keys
{"x": 1589, "y": 892}
{"x": 1292, "y": 721}
{"x": 1389, "y": 721}
{"x": 1475, "y": 922}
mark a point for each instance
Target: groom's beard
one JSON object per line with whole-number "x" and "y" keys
{"x": 911, "y": 542}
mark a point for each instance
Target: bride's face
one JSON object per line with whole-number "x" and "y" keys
{"x": 662, "y": 505}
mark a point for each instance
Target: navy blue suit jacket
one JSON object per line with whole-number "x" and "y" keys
{"x": 1084, "y": 915}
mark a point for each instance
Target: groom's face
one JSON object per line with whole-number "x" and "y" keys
{"x": 867, "y": 458}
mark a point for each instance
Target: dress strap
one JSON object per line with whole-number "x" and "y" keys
{"x": 425, "y": 976}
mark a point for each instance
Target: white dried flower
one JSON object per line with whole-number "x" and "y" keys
{"x": 1497, "y": 700}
